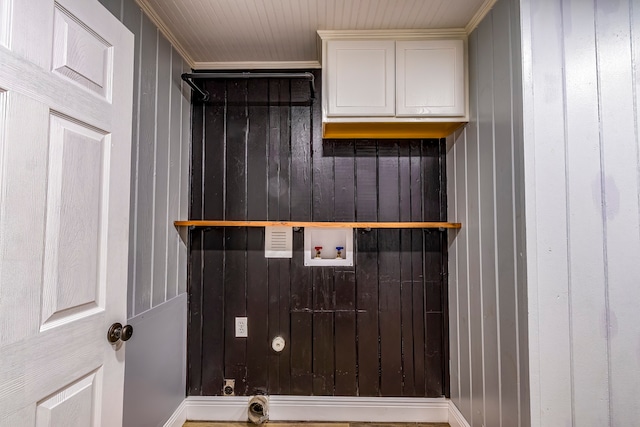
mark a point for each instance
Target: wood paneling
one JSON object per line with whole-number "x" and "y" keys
{"x": 487, "y": 299}
{"x": 159, "y": 161}
{"x": 585, "y": 243}
{"x": 285, "y": 30}
{"x": 375, "y": 329}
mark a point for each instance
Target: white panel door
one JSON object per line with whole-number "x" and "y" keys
{"x": 430, "y": 78}
{"x": 65, "y": 147}
{"x": 361, "y": 77}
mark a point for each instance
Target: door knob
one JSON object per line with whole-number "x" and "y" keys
{"x": 118, "y": 332}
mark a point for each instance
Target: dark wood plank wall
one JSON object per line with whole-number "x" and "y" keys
{"x": 376, "y": 329}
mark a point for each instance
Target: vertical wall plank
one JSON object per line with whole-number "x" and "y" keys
{"x": 367, "y": 270}
{"x": 505, "y": 215}
{"x": 618, "y": 103}
{"x": 406, "y": 274}
{"x": 550, "y": 213}
{"x": 417, "y": 268}
{"x": 185, "y": 150}
{"x": 474, "y": 232}
{"x": 344, "y": 164}
{"x": 464, "y": 363}
{"x": 433, "y": 269}
{"x": 486, "y": 185}
{"x": 211, "y": 164}
{"x": 146, "y": 161}
{"x": 173, "y": 193}
{"x": 235, "y": 282}
{"x": 323, "y": 278}
{"x": 586, "y": 266}
{"x": 389, "y": 303}
{"x": 345, "y": 334}
{"x": 452, "y": 189}
{"x": 301, "y": 284}
{"x": 274, "y": 164}
{"x": 195, "y": 336}
{"x": 161, "y": 171}
{"x": 258, "y": 282}
{"x": 522, "y": 312}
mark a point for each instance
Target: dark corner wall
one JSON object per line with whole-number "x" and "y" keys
{"x": 487, "y": 259}
{"x": 157, "y": 300}
{"x": 376, "y": 329}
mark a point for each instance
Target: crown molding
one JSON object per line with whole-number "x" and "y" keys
{"x": 440, "y": 33}
{"x": 257, "y": 65}
{"x": 479, "y": 16}
{"x": 155, "y": 18}
{"x": 410, "y": 34}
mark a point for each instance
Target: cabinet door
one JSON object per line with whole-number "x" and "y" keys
{"x": 361, "y": 78}
{"x": 430, "y": 78}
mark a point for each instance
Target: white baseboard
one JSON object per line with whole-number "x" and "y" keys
{"x": 322, "y": 408}
{"x": 179, "y": 416}
{"x": 456, "y": 419}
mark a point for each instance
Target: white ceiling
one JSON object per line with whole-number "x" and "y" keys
{"x": 258, "y": 33}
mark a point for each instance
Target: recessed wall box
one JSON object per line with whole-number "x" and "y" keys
{"x": 320, "y": 246}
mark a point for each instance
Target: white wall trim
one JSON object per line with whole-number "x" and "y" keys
{"x": 179, "y": 417}
{"x": 479, "y": 16}
{"x": 155, "y": 18}
{"x": 256, "y": 65}
{"x": 440, "y": 33}
{"x": 322, "y": 408}
{"x": 456, "y": 419}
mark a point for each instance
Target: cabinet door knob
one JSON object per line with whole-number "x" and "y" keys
{"x": 118, "y": 332}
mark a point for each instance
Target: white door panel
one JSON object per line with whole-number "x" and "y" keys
{"x": 22, "y": 193}
{"x": 65, "y": 146}
{"x": 81, "y": 55}
{"x": 31, "y": 25}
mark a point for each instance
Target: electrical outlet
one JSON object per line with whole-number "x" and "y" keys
{"x": 241, "y": 327}
{"x": 228, "y": 389}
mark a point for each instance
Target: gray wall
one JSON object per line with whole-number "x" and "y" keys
{"x": 157, "y": 303}
{"x": 580, "y": 63}
{"x": 487, "y": 286}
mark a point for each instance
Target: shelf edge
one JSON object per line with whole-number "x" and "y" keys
{"x": 221, "y": 223}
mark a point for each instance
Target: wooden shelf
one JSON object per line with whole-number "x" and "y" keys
{"x": 204, "y": 223}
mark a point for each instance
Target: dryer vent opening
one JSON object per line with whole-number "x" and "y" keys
{"x": 258, "y": 410}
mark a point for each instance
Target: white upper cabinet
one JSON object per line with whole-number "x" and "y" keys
{"x": 393, "y": 83}
{"x": 394, "y": 78}
{"x": 361, "y": 78}
{"x": 430, "y": 78}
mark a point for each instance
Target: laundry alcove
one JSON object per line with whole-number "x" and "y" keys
{"x": 378, "y": 328}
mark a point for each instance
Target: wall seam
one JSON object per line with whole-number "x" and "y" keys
{"x": 514, "y": 215}
{"x": 495, "y": 229}
{"x": 155, "y": 168}
{"x": 480, "y": 264}
{"x": 567, "y": 188}
{"x": 169, "y": 178}
{"x": 603, "y": 210}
